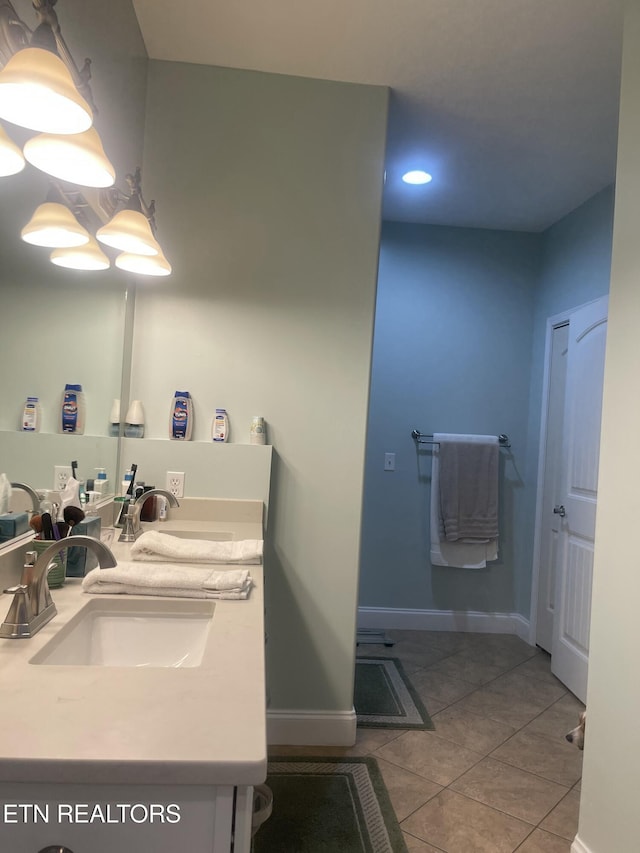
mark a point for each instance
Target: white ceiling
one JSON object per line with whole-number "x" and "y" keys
{"x": 512, "y": 105}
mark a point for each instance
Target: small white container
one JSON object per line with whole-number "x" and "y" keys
{"x": 101, "y": 483}
{"x": 114, "y": 419}
{"x": 134, "y": 422}
{"x": 220, "y": 426}
{"x": 31, "y": 415}
{"x": 257, "y": 431}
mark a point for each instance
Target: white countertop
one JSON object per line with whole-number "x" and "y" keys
{"x": 90, "y": 724}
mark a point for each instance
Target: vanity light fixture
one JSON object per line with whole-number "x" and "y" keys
{"x": 87, "y": 257}
{"x": 11, "y": 159}
{"x": 129, "y": 231}
{"x": 132, "y": 231}
{"x": 40, "y": 81}
{"x": 156, "y": 265}
{"x": 79, "y": 159}
{"x": 37, "y": 92}
{"x": 53, "y": 225}
{"x": 41, "y": 76}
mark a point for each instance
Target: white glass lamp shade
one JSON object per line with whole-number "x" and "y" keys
{"x": 38, "y": 92}
{"x": 129, "y": 231}
{"x": 79, "y": 159}
{"x": 87, "y": 257}
{"x": 144, "y": 264}
{"x": 54, "y": 225}
{"x": 11, "y": 159}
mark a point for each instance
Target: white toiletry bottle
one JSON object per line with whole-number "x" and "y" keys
{"x": 31, "y": 415}
{"x": 181, "y": 416}
{"x": 220, "y": 426}
{"x": 73, "y": 410}
{"x": 257, "y": 431}
{"x": 163, "y": 505}
{"x": 114, "y": 419}
{"x": 134, "y": 422}
{"x": 101, "y": 483}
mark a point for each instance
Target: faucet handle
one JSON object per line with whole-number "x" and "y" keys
{"x": 131, "y": 529}
{"x": 20, "y": 611}
{"x": 18, "y": 589}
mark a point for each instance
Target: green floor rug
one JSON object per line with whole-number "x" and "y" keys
{"x": 385, "y": 698}
{"x": 328, "y": 805}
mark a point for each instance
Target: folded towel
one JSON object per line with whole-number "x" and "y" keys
{"x": 160, "y": 547}
{"x": 468, "y": 487}
{"x": 167, "y": 580}
{"x": 463, "y": 555}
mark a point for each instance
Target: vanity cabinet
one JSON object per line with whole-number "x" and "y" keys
{"x": 138, "y": 759}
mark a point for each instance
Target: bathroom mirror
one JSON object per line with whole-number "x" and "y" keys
{"x": 60, "y": 326}
{"x": 57, "y": 326}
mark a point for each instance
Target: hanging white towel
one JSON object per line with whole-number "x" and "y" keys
{"x": 463, "y": 555}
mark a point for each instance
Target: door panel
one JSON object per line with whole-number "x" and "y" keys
{"x": 581, "y": 447}
{"x": 552, "y": 494}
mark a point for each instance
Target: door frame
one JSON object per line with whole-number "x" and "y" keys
{"x": 552, "y": 324}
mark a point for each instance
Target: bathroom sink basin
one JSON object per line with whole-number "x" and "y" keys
{"x": 132, "y": 633}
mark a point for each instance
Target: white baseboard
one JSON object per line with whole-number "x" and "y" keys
{"x": 443, "y": 620}
{"x": 311, "y": 728}
{"x": 579, "y": 846}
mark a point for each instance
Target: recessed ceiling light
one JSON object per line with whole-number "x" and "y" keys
{"x": 417, "y": 176}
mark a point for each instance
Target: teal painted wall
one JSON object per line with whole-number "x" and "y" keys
{"x": 271, "y": 191}
{"x": 459, "y": 347}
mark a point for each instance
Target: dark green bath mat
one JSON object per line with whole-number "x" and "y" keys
{"x": 328, "y": 805}
{"x": 385, "y": 698}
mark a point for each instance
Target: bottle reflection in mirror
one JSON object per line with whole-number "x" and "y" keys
{"x": 134, "y": 422}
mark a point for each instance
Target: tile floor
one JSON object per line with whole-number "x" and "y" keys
{"x": 496, "y": 775}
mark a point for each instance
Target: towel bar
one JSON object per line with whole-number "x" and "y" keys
{"x": 427, "y": 438}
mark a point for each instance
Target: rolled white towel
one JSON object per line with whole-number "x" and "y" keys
{"x": 153, "y": 546}
{"x": 168, "y": 580}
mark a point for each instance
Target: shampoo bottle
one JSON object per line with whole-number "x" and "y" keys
{"x": 31, "y": 415}
{"x": 181, "y": 416}
{"x": 73, "y": 410}
{"x": 220, "y": 426}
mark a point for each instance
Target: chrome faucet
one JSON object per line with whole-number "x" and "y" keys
{"x": 132, "y": 528}
{"x": 35, "y": 497}
{"x": 32, "y": 606}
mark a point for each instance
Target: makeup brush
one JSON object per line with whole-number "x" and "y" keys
{"x": 35, "y": 523}
{"x": 73, "y": 515}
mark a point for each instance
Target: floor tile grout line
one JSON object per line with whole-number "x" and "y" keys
{"x": 516, "y": 731}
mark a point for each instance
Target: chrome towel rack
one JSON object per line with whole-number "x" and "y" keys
{"x": 427, "y": 438}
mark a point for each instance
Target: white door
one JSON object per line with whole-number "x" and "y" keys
{"x": 577, "y": 510}
{"x": 552, "y": 492}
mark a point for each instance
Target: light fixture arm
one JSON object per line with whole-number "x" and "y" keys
{"x": 47, "y": 15}
{"x": 14, "y": 33}
{"x": 135, "y": 201}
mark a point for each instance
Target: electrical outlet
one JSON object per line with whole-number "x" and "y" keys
{"x": 61, "y": 473}
{"x": 175, "y": 483}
